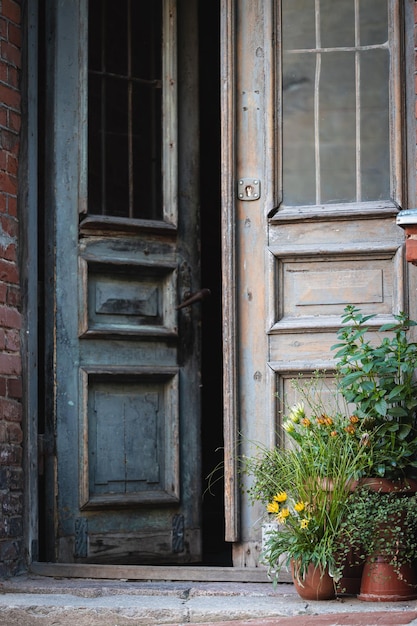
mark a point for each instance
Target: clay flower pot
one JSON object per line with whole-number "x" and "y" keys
{"x": 382, "y": 583}
{"x": 316, "y": 585}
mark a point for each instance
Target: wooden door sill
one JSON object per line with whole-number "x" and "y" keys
{"x": 153, "y": 572}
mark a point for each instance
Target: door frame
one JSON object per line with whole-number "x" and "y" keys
{"x": 28, "y": 205}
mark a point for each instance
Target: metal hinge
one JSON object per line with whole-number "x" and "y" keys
{"x": 81, "y": 537}
{"x": 178, "y": 533}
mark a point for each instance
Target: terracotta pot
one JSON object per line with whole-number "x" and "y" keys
{"x": 385, "y": 485}
{"x": 382, "y": 583}
{"x": 316, "y": 585}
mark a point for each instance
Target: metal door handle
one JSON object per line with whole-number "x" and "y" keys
{"x": 198, "y": 296}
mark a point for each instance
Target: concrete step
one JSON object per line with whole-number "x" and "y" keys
{"x": 41, "y": 601}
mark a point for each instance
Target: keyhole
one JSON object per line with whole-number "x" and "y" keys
{"x": 249, "y": 191}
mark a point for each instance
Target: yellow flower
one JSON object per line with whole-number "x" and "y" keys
{"x": 333, "y": 433}
{"x": 272, "y": 507}
{"x": 304, "y": 523}
{"x": 353, "y": 419}
{"x": 306, "y": 422}
{"x": 280, "y": 497}
{"x": 350, "y": 429}
{"x": 299, "y": 506}
{"x": 282, "y": 515}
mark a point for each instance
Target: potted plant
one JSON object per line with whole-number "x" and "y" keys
{"x": 376, "y": 374}
{"x": 381, "y": 528}
{"x": 305, "y": 489}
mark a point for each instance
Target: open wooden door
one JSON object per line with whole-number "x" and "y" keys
{"x": 314, "y": 173}
{"x": 122, "y": 367}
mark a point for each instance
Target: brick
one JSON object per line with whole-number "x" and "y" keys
{"x": 3, "y": 387}
{"x": 14, "y": 35}
{"x": 10, "y": 410}
{"x": 9, "y": 97}
{"x": 9, "y": 142}
{"x": 12, "y": 340}
{"x": 10, "y": 318}
{"x": 10, "y": 53}
{"x": 12, "y": 478}
{"x": 11, "y": 10}
{"x": 2, "y": 339}
{"x": 12, "y": 206}
{"x": 8, "y": 184}
{"x": 10, "y": 454}
{"x": 8, "y": 252}
{"x": 14, "y": 388}
{"x": 11, "y": 504}
{"x": 14, "y": 433}
{"x": 9, "y": 224}
{"x": 3, "y": 292}
{"x": 9, "y": 551}
{"x": 11, "y": 161}
{"x": 16, "y": 480}
{"x": 13, "y": 296}
{"x": 13, "y": 76}
{"x": 3, "y": 433}
{"x": 10, "y": 364}
{"x": 8, "y": 273}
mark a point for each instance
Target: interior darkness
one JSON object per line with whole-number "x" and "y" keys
{"x": 215, "y": 550}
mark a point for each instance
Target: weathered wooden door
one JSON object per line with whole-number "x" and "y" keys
{"x": 314, "y": 172}
{"x": 121, "y": 252}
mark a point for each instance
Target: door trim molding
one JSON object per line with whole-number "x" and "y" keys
{"x": 230, "y": 391}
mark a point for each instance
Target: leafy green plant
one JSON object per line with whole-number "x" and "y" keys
{"x": 381, "y": 524}
{"x": 378, "y": 377}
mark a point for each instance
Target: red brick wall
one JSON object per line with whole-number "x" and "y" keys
{"x": 11, "y": 473}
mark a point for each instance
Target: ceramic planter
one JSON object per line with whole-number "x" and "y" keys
{"x": 382, "y": 583}
{"x": 316, "y": 585}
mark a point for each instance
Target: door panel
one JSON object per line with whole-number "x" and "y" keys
{"x": 124, "y": 483}
{"x": 318, "y": 123}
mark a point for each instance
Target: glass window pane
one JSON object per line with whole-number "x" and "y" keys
{"x": 337, "y": 23}
{"x": 125, "y": 108}
{"x": 298, "y": 24}
{"x": 298, "y": 129}
{"x": 337, "y": 123}
{"x": 373, "y": 22}
{"x": 375, "y": 158}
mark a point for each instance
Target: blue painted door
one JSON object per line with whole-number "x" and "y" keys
{"x": 123, "y": 363}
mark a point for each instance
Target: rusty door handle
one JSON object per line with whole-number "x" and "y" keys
{"x": 198, "y": 296}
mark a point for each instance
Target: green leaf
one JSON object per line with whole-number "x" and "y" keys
{"x": 381, "y": 407}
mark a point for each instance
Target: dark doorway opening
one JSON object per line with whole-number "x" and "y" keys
{"x": 215, "y": 550}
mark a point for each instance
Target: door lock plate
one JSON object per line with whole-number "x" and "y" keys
{"x": 248, "y": 189}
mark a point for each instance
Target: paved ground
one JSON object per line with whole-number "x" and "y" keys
{"x": 42, "y": 601}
